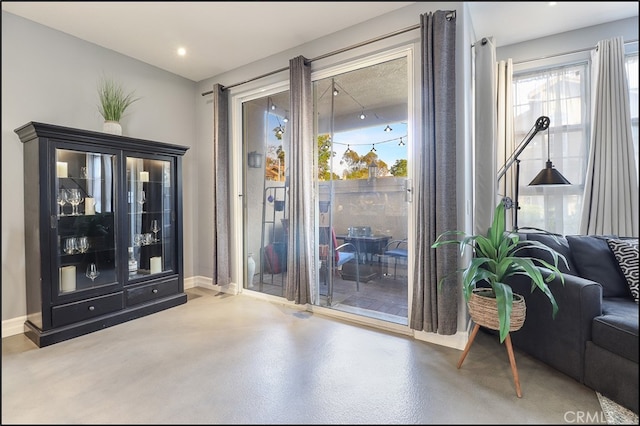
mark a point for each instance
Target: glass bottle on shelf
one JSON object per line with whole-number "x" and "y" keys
{"x": 133, "y": 263}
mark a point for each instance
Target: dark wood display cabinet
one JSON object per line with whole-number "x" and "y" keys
{"x": 103, "y": 230}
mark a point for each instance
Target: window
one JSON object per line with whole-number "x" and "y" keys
{"x": 563, "y": 94}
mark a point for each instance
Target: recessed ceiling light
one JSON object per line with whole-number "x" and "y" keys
{"x": 182, "y": 51}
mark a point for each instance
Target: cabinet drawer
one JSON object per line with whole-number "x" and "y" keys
{"x": 85, "y": 309}
{"x": 148, "y": 292}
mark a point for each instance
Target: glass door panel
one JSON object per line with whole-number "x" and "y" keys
{"x": 362, "y": 136}
{"x": 85, "y": 194}
{"x": 150, "y": 204}
{"x": 266, "y": 192}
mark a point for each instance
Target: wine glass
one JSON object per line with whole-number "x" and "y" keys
{"x": 70, "y": 245}
{"x": 63, "y": 198}
{"x": 155, "y": 229}
{"x": 83, "y": 244}
{"x": 75, "y": 198}
{"x": 92, "y": 271}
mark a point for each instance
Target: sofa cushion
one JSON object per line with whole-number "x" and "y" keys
{"x": 616, "y": 330}
{"x": 595, "y": 261}
{"x": 556, "y": 242}
{"x": 626, "y": 253}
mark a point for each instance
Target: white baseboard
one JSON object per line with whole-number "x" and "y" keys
{"x": 455, "y": 341}
{"x": 13, "y": 326}
{"x": 206, "y": 282}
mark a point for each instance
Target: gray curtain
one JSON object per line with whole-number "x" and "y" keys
{"x": 221, "y": 222}
{"x": 300, "y": 246}
{"x": 610, "y": 203}
{"x": 434, "y": 309}
{"x": 485, "y": 170}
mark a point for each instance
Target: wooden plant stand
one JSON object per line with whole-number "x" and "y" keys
{"x": 512, "y": 359}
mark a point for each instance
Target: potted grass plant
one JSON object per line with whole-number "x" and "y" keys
{"x": 113, "y": 103}
{"x": 496, "y": 256}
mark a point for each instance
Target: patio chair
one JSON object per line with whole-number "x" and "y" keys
{"x": 340, "y": 254}
{"x": 396, "y": 249}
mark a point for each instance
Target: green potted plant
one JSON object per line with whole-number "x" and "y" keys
{"x": 495, "y": 257}
{"x": 113, "y": 103}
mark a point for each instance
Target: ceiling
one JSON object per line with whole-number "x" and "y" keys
{"x": 221, "y": 36}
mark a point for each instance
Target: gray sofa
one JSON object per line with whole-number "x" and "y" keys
{"x": 594, "y": 337}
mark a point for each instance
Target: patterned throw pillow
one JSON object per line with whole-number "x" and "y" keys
{"x": 626, "y": 253}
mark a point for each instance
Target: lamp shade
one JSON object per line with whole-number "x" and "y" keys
{"x": 549, "y": 176}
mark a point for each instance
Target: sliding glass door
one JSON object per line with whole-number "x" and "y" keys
{"x": 362, "y": 134}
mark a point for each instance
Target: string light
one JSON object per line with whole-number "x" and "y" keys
{"x": 373, "y": 147}
{"x": 336, "y": 92}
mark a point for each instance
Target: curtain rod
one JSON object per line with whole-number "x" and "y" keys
{"x": 565, "y": 53}
{"x": 326, "y": 55}
{"x": 450, "y": 15}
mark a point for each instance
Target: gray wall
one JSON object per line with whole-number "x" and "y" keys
{"x": 585, "y": 38}
{"x": 51, "y": 77}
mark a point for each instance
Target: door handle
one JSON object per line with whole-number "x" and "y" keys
{"x": 408, "y": 190}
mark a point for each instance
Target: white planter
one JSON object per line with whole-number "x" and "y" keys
{"x": 251, "y": 270}
{"x": 112, "y": 127}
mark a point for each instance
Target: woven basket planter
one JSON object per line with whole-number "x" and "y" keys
{"x": 484, "y": 310}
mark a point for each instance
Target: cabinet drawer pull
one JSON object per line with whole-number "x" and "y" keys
{"x": 155, "y": 290}
{"x": 92, "y": 308}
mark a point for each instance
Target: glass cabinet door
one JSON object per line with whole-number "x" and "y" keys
{"x": 150, "y": 217}
{"x": 85, "y": 193}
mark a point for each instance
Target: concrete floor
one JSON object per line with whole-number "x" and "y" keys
{"x": 221, "y": 359}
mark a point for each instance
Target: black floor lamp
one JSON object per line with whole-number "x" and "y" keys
{"x": 547, "y": 176}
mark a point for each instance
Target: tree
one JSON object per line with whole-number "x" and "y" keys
{"x": 274, "y": 166}
{"x": 399, "y": 169}
{"x": 324, "y": 156}
{"x": 357, "y": 166}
